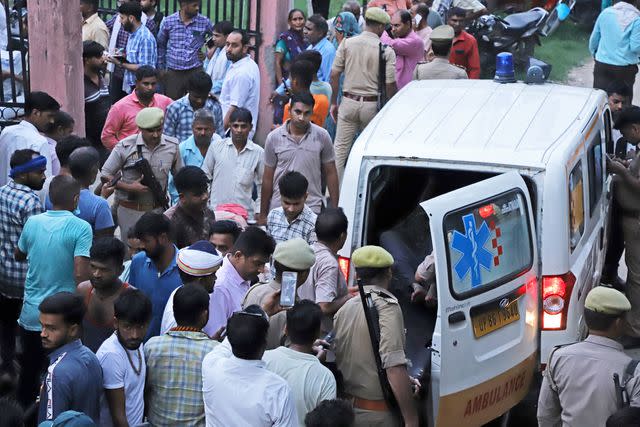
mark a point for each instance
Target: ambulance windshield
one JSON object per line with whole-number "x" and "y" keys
{"x": 488, "y": 244}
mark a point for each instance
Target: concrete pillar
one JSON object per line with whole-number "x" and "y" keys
{"x": 55, "y": 54}
{"x": 273, "y": 20}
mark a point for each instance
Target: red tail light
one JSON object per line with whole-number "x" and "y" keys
{"x": 345, "y": 264}
{"x": 556, "y": 293}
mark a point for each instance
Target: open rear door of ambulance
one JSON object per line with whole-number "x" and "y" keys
{"x": 485, "y": 339}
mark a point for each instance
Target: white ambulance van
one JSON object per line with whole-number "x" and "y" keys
{"x": 506, "y": 185}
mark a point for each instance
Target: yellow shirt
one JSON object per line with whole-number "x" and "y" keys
{"x": 94, "y": 29}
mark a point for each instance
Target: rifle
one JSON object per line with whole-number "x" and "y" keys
{"x": 149, "y": 179}
{"x": 622, "y": 397}
{"x": 382, "y": 77}
{"x": 373, "y": 326}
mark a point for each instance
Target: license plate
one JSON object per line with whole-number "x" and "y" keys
{"x": 492, "y": 320}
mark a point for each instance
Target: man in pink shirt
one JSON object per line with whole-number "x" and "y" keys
{"x": 121, "y": 120}
{"x": 391, "y": 6}
{"x": 407, "y": 45}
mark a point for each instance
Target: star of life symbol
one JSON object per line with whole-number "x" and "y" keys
{"x": 471, "y": 247}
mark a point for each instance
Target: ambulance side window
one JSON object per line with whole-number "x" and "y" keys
{"x": 596, "y": 174}
{"x": 576, "y": 205}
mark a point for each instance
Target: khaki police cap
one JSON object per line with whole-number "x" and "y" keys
{"x": 378, "y": 15}
{"x": 607, "y": 301}
{"x": 372, "y": 257}
{"x": 149, "y": 118}
{"x": 442, "y": 34}
{"x": 295, "y": 254}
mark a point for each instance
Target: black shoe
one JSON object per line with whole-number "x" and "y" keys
{"x": 614, "y": 282}
{"x": 630, "y": 342}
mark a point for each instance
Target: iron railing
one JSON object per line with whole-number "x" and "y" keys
{"x": 14, "y": 65}
{"x": 238, "y": 12}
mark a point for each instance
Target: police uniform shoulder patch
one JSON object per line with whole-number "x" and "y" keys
{"x": 460, "y": 66}
{"x": 386, "y": 295}
{"x": 171, "y": 139}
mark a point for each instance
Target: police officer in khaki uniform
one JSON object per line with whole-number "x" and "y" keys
{"x": 627, "y": 198}
{"x": 354, "y": 353}
{"x": 358, "y": 58}
{"x": 578, "y": 388}
{"x": 132, "y": 197}
{"x": 439, "y": 67}
{"x": 293, "y": 255}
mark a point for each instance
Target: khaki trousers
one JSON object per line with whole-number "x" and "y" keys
{"x": 631, "y": 233}
{"x": 127, "y": 219}
{"x": 353, "y": 117}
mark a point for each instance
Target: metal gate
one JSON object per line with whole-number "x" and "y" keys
{"x": 14, "y": 64}
{"x": 238, "y": 12}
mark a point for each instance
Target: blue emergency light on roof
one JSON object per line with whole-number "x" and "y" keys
{"x": 505, "y": 72}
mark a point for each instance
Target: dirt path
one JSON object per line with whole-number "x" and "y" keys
{"x": 583, "y": 76}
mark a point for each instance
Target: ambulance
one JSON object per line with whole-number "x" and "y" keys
{"x": 506, "y": 185}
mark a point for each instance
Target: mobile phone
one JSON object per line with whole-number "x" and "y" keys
{"x": 288, "y": 291}
{"x": 115, "y": 179}
{"x": 329, "y": 339}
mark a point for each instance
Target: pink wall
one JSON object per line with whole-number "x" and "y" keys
{"x": 55, "y": 54}
{"x": 273, "y": 21}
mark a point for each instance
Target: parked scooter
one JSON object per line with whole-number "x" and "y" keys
{"x": 517, "y": 33}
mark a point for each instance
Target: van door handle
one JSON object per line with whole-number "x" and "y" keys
{"x": 456, "y": 317}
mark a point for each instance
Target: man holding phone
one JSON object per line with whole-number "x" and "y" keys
{"x": 292, "y": 261}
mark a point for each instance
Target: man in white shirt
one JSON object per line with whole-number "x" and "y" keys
{"x": 310, "y": 382}
{"x": 198, "y": 264}
{"x": 122, "y": 359}
{"x": 234, "y": 165}
{"x": 40, "y": 110}
{"x": 238, "y": 390}
{"x": 216, "y": 62}
{"x": 241, "y": 87}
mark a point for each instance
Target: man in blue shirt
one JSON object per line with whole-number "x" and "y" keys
{"x": 84, "y": 164}
{"x": 179, "y": 115}
{"x": 615, "y": 45}
{"x": 180, "y": 39}
{"x": 315, "y": 33}
{"x": 74, "y": 377}
{"x": 56, "y": 245}
{"x": 141, "y": 46}
{"x": 155, "y": 271}
{"x": 194, "y": 149}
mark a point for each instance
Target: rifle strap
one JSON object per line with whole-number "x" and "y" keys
{"x": 139, "y": 149}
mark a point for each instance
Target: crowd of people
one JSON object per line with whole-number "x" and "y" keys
{"x": 142, "y": 266}
{"x": 145, "y": 268}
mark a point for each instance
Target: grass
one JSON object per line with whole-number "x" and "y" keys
{"x": 565, "y": 49}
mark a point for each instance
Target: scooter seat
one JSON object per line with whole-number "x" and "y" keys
{"x": 523, "y": 21}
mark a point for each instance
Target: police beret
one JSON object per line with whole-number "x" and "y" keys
{"x": 443, "y": 33}
{"x": 371, "y": 256}
{"x": 628, "y": 115}
{"x": 607, "y": 301}
{"x": 199, "y": 259}
{"x": 295, "y": 254}
{"x": 378, "y": 15}
{"x": 149, "y": 118}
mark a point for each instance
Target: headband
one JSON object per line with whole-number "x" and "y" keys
{"x": 35, "y": 164}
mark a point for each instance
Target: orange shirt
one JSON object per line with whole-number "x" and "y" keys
{"x": 320, "y": 110}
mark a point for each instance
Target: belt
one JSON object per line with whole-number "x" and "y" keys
{"x": 369, "y": 405}
{"x": 360, "y": 98}
{"x": 140, "y": 207}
